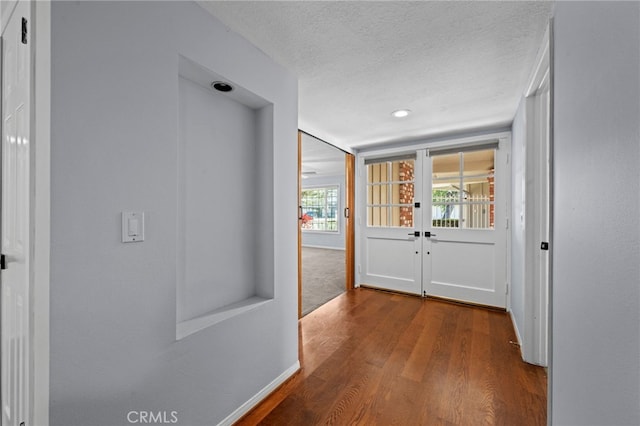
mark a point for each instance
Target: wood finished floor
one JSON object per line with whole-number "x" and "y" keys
{"x": 376, "y": 358}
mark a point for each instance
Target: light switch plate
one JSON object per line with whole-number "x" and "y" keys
{"x": 132, "y": 227}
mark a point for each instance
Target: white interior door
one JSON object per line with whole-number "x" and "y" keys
{"x": 391, "y": 238}
{"x": 465, "y": 223}
{"x": 14, "y": 278}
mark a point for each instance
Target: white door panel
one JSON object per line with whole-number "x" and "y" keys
{"x": 392, "y": 261}
{"x": 388, "y": 258}
{"x": 392, "y": 264}
{"x": 391, "y": 251}
{"x": 465, "y": 266}
{"x": 468, "y": 246}
{"x": 463, "y": 271}
{"x": 15, "y": 218}
{"x": 472, "y": 267}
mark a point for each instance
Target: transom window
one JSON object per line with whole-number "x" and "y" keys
{"x": 463, "y": 190}
{"x": 320, "y": 208}
{"x": 390, "y": 193}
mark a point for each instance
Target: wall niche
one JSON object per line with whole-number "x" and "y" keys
{"x": 225, "y": 200}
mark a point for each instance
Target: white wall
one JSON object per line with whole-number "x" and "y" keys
{"x": 327, "y": 239}
{"x": 595, "y": 371}
{"x": 42, "y": 192}
{"x": 114, "y": 124}
{"x": 518, "y": 158}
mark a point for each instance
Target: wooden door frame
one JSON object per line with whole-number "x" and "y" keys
{"x": 349, "y": 217}
{"x": 299, "y": 224}
{"x": 350, "y": 201}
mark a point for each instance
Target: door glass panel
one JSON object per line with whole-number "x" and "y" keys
{"x": 463, "y": 190}
{"x": 384, "y": 194}
{"x": 402, "y": 216}
{"x": 479, "y": 162}
{"x": 374, "y": 216}
{"x": 445, "y": 207}
{"x": 402, "y": 193}
{"x": 478, "y": 181}
{"x": 384, "y": 216}
{"x": 446, "y": 166}
{"x": 390, "y": 193}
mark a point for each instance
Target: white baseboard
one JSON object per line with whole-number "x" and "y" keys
{"x": 518, "y": 337}
{"x": 257, "y": 398}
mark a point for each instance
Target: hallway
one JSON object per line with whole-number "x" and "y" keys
{"x": 371, "y": 357}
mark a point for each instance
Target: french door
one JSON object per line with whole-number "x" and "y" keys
{"x": 392, "y": 243}
{"x": 447, "y": 236}
{"x": 466, "y": 221}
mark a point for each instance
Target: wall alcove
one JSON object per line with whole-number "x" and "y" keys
{"x": 225, "y": 201}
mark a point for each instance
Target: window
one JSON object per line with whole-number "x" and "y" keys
{"x": 463, "y": 190}
{"x": 320, "y": 209}
{"x": 390, "y": 187}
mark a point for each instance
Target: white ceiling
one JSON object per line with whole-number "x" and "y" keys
{"x": 457, "y": 65}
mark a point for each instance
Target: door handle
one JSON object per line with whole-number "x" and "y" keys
{"x": 414, "y": 234}
{"x": 5, "y": 259}
{"x": 429, "y": 234}
{"x": 299, "y": 212}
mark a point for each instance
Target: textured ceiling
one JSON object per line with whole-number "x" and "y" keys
{"x": 458, "y": 66}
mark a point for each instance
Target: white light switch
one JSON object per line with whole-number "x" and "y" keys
{"x": 132, "y": 227}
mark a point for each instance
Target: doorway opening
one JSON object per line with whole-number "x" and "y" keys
{"x": 324, "y": 222}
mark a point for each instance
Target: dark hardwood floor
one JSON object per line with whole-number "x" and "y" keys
{"x": 376, "y": 358}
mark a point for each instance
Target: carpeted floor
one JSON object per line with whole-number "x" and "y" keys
{"x": 323, "y": 276}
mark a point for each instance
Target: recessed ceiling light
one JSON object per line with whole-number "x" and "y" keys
{"x": 222, "y": 86}
{"x": 401, "y": 113}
